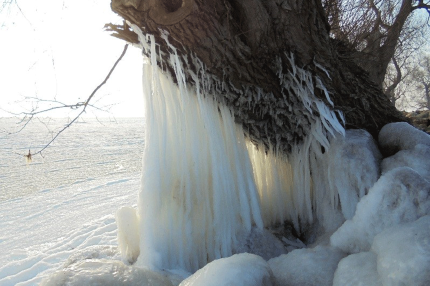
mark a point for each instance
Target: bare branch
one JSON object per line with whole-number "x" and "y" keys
{"x": 78, "y": 105}
{"x": 390, "y": 90}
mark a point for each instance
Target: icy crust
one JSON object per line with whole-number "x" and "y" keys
{"x": 399, "y": 255}
{"x": 357, "y": 270}
{"x": 398, "y": 136}
{"x": 417, "y": 158}
{"x": 399, "y": 196}
{"x": 403, "y": 254}
{"x": 239, "y": 270}
{"x": 306, "y": 267}
{"x": 96, "y": 272}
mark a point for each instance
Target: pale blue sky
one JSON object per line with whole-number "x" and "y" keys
{"x": 58, "y": 49}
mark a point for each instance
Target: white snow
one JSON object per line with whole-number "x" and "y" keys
{"x": 239, "y": 270}
{"x": 307, "y": 266}
{"x": 398, "y": 136}
{"x": 416, "y": 158}
{"x": 41, "y": 231}
{"x": 403, "y": 253}
{"x": 357, "y": 270}
{"x": 98, "y": 272}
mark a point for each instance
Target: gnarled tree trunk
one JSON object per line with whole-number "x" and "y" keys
{"x": 247, "y": 45}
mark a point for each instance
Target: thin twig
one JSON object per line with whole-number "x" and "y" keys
{"x": 80, "y": 104}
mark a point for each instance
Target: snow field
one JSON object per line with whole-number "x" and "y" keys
{"x": 42, "y": 231}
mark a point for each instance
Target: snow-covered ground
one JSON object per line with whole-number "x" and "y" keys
{"x": 65, "y": 201}
{"x": 40, "y": 231}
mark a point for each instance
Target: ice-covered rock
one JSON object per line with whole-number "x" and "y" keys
{"x": 357, "y": 270}
{"x": 342, "y": 175}
{"x": 239, "y": 270}
{"x": 307, "y": 266}
{"x": 417, "y": 158}
{"x": 353, "y": 167}
{"x": 398, "y": 136}
{"x": 399, "y": 196}
{"x": 107, "y": 273}
{"x": 404, "y": 254}
{"x": 262, "y": 243}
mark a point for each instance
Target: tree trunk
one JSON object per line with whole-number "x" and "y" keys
{"x": 247, "y": 45}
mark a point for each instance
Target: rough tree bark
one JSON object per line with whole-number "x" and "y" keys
{"x": 245, "y": 43}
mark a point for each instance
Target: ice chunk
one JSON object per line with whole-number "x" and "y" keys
{"x": 357, "y": 270}
{"x": 128, "y": 233}
{"x": 417, "y": 158}
{"x": 239, "y": 270}
{"x": 307, "y": 266}
{"x": 404, "y": 254}
{"x": 399, "y": 196}
{"x": 106, "y": 273}
{"x": 398, "y": 136}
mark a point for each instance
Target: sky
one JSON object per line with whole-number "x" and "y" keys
{"x": 58, "y": 50}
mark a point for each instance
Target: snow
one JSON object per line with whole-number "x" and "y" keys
{"x": 416, "y": 158}
{"x": 403, "y": 253}
{"x": 97, "y": 272}
{"x": 357, "y": 270}
{"x": 306, "y": 267}
{"x": 40, "y": 232}
{"x": 240, "y": 270}
{"x": 398, "y": 136}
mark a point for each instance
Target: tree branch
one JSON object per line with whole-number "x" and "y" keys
{"x": 75, "y": 106}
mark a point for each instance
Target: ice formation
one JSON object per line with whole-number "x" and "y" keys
{"x": 357, "y": 269}
{"x": 240, "y": 270}
{"x": 127, "y": 221}
{"x": 398, "y": 136}
{"x": 205, "y": 186}
{"x": 416, "y": 158}
{"x": 306, "y": 267}
{"x": 399, "y": 196}
{"x": 403, "y": 253}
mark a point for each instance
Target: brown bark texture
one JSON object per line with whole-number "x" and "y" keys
{"x": 246, "y": 44}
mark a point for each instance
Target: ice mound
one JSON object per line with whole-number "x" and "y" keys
{"x": 417, "y": 158}
{"x": 307, "y": 266}
{"x": 239, "y": 270}
{"x": 399, "y": 196}
{"x": 398, "y": 136}
{"x": 404, "y": 254}
{"x": 357, "y": 269}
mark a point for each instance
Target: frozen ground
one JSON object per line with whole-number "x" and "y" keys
{"x": 40, "y": 231}
{"x": 65, "y": 201}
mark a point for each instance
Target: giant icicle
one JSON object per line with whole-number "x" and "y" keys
{"x": 198, "y": 194}
{"x": 204, "y": 185}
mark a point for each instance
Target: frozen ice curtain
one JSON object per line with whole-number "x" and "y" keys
{"x": 204, "y": 185}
